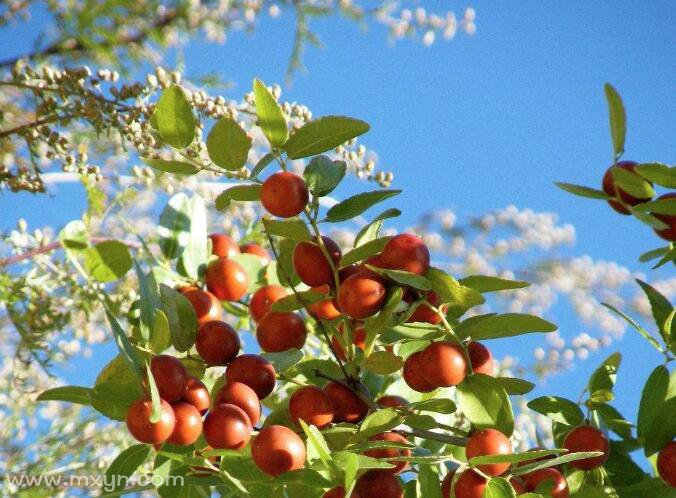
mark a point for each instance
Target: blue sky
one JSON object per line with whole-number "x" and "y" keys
{"x": 477, "y": 123}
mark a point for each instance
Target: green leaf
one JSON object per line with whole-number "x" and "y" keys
{"x": 327, "y": 367}
{"x": 662, "y": 309}
{"x": 316, "y": 444}
{"x": 632, "y": 183}
{"x": 604, "y": 377}
{"x": 291, "y": 228}
{"x": 286, "y": 274}
{"x": 71, "y": 394}
{"x": 270, "y": 116}
{"x": 499, "y": 487}
{"x": 156, "y": 412}
{"x": 124, "y": 346}
{"x": 171, "y": 166}
{"x": 429, "y": 484}
{"x": 653, "y": 254}
{"x": 498, "y": 326}
{"x": 380, "y": 421}
{"x": 636, "y": 326}
{"x": 558, "y": 409}
{"x": 648, "y": 219}
{"x": 617, "y": 117}
{"x": 658, "y": 173}
{"x": 323, "y": 134}
{"x": 124, "y": 466}
{"x": 357, "y": 204}
{"x": 149, "y": 301}
{"x": 614, "y": 420}
{"x": 195, "y": 254}
{"x": 451, "y": 292}
{"x": 660, "y": 206}
{"x": 486, "y": 283}
{"x": 403, "y": 277}
{"x": 174, "y": 118}
{"x": 228, "y": 144}
{"x": 372, "y": 230}
{"x": 294, "y": 302}
{"x": 386, "y": 317}
{"x": 363, "y": 462}
{"x": 160, "y": 338}
{"x": 115, "y": 388}
{"x": 284, "y": 360}
{"x": 241, "y": 193}
{"x": 485, "y": 403}
{"x": 653, "y": 395}
{"x": 515, "y": 386}
{"x": 174, "y": 228}
{"x": 253, "y": 267}
{"x": 579, "y": 190}
{"x": 262, "y": 163}
{"x": 322, "y": 175}
{"x": 383, "y": 362}
{"x": 436, "y": 405}
{"x": 514, "y": 457}
{"x": 107, "y": 261}
{"x": 181, "y": 318}
{"x": 551, "y": 462}
{"x": 364, "y": 251}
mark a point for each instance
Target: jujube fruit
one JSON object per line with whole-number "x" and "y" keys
{"x": 587, "y": 438}
{"x": 311, "y": 405}
{"x": 338, "y": 492}
{"x": 443, "y": 364}
{"x": 391, "y": 401}
{"x": 227, "y": 427}
{"x": 361, "y": 296}
{"x": 311, "y": 265}
{"x": 188, "y": 426}
{"x": 469, "y": 485}
{"x": 517, "y": 486}
{"x": 242, "y": 396}
{"x": 489, "y": 442}
{"x": 254, "y": 371}
{"x": 217, "y": 343}
{"x": 423, "y": 312}
{"x": 284, "y": 194}
{"x": 170, "y": 376}
{"x": 226, "y": 279}
{"x": 145, "y": 431}
{"x": 390, "y": 453}
{"x": 481, "y": 358}
{"x": 207, "y": 306}
{"x": 197, "y": 395}
{"x": 324, "y": 309}
{"x": 223, "y": 245}
{"x": 347, "y": 406}
{"x": 446, "y": 484}
{"x": 413, "y": 376}
{"x": 619, "y": 197}
{"x": 260, "y": 251}
{"x": 277, "y": 332}
{"x": 263, "y": 299}
{"x": 378, "y": 484}
{"x": 666, "y": 464}
{"x": 670, "y": 219}
{"x": 277, "y": 449}
{"x": 406, "y": 252}
{"x": 550, "y": 480}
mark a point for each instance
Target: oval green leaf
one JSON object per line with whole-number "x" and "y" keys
{"x": 323, "y": 134}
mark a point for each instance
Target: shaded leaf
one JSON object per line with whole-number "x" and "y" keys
{"x": 357, "y": 204}
{"x": 228, "y": 144}
{"x": 322, "y": 175}
{"x": 270, "y": 116}
{"x": 172, "y": 166}
{"x": 71, "y": 394}
{"x": 174, "y": 118}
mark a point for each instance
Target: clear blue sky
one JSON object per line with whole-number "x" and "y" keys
{"x": 477, "y": 123}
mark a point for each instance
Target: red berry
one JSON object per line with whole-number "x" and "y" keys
{"x": 481, "y": 358}
{"x": 620, "y": 198}
{"x": 145, "y": 431}
{"x": 413, "y": 375}
{"x": 254, "y": 371}
{"x": 227, "y": 427}
{"x": 277, "y": 449}
{"x": 226, "y": 279}
{"x": 311, "y": 265}
{"x": 284, "y": 194}
{"x": 338, "y": 492}
{"x": 311, "y": 405}
{"x": 217, "y": 343}
{"x": 188, "y": 425}
{"x": 390, "y": 453}
{"x": 223, "y": 245}
{"x": 518, "y": 486}
{"x": 470, "y": 485}
{"x": 666, "y": 464}
{"x": 423, "y": 312}
{"x": 242, "y": 396}
{"x": 347, "y": 406}
{"x": 360, "y": 296}
{"x": 391, "y": 401}
{"x": 489, "y": 442}
{"x": 171, "y": 377}
{"x": 197, "y": 395}
{"x": 251, "y": 248}
{"x": 263, "y": 299}
{"x": 446, "y": 484}
{"x": 406, "y": 252}
{"x": 378, "y": 484}
{"x": 586, "y": 438}
{"x": 207, "y": 306}
{"x": 670, "y": 219}
{"x": 443, "y": 364}
{"x": 324, "y": 309}
{"x": 278, "y": 332}
{"x": 551, "y": 483}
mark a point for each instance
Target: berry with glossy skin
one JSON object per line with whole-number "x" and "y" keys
{"x": 413, "y": 375}
{"x": 197, "y": 395}
{"x": 311, "y": 405}
{"x": 347, "y": 406}
{"x": 359, "y": 340}
{"x": 223, "y": 245}
{"x": 284, "y": 194}
{"x": 277, "y": 449}
{"x": 277, "y": 332}
{"x": 326, "y": 308}
{"x": 188, "y": 426}
{"x": 667, "y": 233}
{"x": 481, "y": 358}
{"x": 140, "y": 426}
{"x": 551, "y": 482}
{"x": 226, "y": 279}
{"x": 227, "y": 427}
{"x": 406, "y": 252}
{"x": 446, "y": 485}
{"x": 378, "y": 484}
{"x": 207, "y": 306}
{"x": 423, "y": 313}
{"x": 217, "y": 343}
{"x": 587, "y": 438}
{"x": 170, "y": 376}
{"x": 242, "y": 396}
{"x": 263, "y": 299}
{"x": 254, "y": 371}
{"x": 311, "y": 265}
{"x": 389, "y": 453}
{"x": 619, "y": 196}
{"x": 666, "y": 464}
{"x": 470, "y": 485}
{"x": 257, "y": 250}
{"x": 443, "y": 364}
{"x": 361, "y": 296}
{"x": 338, "y": 492}
{"x": 391, "y": 401}
{"x": 518, "y": 486}
{"x": 489, "y": 442}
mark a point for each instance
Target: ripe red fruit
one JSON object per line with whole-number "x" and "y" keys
{"x": 446, "y": 485}
{"x": 551, "y": 480}
{"x": 217, "y": 343}
{"x": 223, "y": 245}
{"x": 359, "y": 340}
{"x": 278, "y": 332}
{"x": 518, "y": 486}
{"x": 413, "y": 375}
{"x": 197, "y": 395}
{"x": 619, "y": 196}
{"x": 667, "y": 233}
{"x": 470, "y": 485}
{"x": 586, "y": 438}
{"x": 227, "y": 427}
{"x": 170, "y": 376}
{"x": 324, "y": 309}
{"x": 666, "y": 464}
{"x": 263, "y": 299}
{"x": 338, "y": 492}
{"x": 242, "y": 396}
{"x": 277, "y": 449}
{"x": 347, "y": 406}
{"x": 423, "y": 313}
{"x": 251, "y": 248}
{"x": 406, "y": 252}
{"x": 378, "y": 484}
{"x": 226, "y": 279}
{"x": 391, "y": 401}
{"x": 311, "y": 265}
{"x": 489, "y": 442}
{"x": 207, "y": 306}
{"x": 140, "y": 426}
{"x": 443, "y": 364}
{"x": 254, "y": 371}
{"x": 284, "y": 194}
{"x": 188, "y": 425}
{"x": 390, "y": 453}
{"x": 481, "y": 358}
{"x": 311, "y": 405}
{"x": 361, "y": 296}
